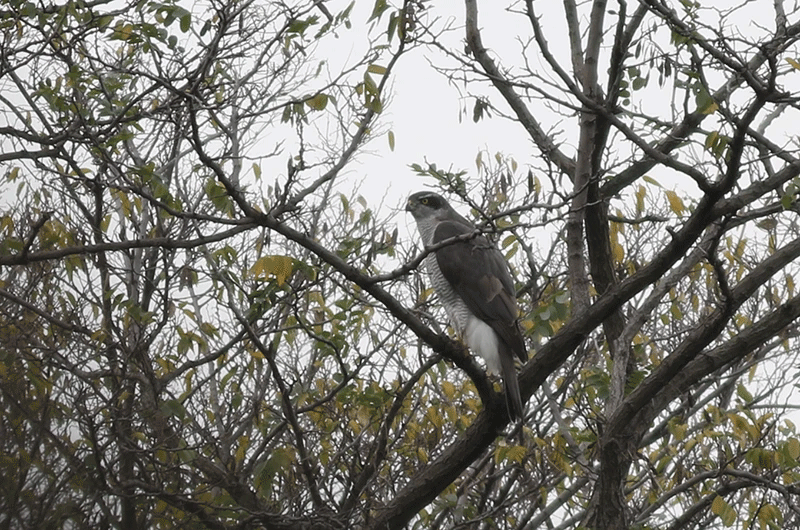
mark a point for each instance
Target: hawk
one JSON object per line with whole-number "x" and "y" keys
{"x": 474, "y": 285}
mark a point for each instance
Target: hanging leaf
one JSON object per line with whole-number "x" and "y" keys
{"x": 711, "y": 139}
{"x": 279, "y": 267}
{"x": 378, "y": 9}
{"x": 720, "y": 507}
{"x": 318, "y": 102}
{"x": 706, "y": 103}
{"x": 617, "y": 250}
{"x": 186, "y": 22}
{"x": 675, "y": 202}
{"x": 793, "y": 448}
{"x": 651, "y": 180}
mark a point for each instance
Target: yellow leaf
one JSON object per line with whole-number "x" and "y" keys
{"x": 793, "y": 448}
{"x": 652, "y": 181}
{"x": 641, "y": 193}
{"x": 793, "y": 62}
{"x": 425, "y": 294}
{"x": 268, "y": 266}
{"x": 769, "y": 515}
{"x": 449, "y": 389}
{"x": 678, "y": 430}
{"x": 711, "y": 139}
{"x": 711, "y": 108}
{"x": 123, "y": 32}
{"x": 725, "y": 511}
{"x": 516, "y": 453}
{"x": 241, "y": 451}
{"x": 617, "y": 251}
{"x": 434, "y": 416}
{"x": 391, "y": 140}
{"x": 6, "y": 225}
{"x": 675, "y": 202}
{"x": 718, "y": 505}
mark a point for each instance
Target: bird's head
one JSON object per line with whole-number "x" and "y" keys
{"x": 427, "y": 205}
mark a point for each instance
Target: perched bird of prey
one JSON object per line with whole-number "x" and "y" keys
{"x": 474, "y": 285}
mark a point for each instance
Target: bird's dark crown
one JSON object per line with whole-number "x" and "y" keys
{"x": 429, "y": 199}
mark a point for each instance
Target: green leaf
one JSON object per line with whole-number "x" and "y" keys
{"x": 318, "y": 102}
{"x": 651, "y": 180}
{"x": 266, "y": 471}
{"x": 378, "y": 9}
{"x": 173, "y": 407}
{"x": 705, "y": 103}
{"x": 375, "y": 105}
{"x": 743, "y": 393}
{"x": 299, "y": 26}
{"x": 394, "y": 18}
{"x": 219, "y": 196}
{"x": 786, "y": 201}
{"x": 480, "y": 110}
{"x": 369, "y": 84}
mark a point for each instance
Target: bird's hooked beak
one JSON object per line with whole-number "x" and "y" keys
{"x": 409, "y": 205}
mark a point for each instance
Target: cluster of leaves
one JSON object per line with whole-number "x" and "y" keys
{"x": 165, "y": 361}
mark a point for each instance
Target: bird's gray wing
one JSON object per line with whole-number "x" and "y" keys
{"x": 479, "y": 274}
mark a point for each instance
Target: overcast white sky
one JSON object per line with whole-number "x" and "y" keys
{"x": 424, "y": 110}
{"x": 425, "y": 114}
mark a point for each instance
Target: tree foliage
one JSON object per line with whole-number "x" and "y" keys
{"x": 205, "y": 326}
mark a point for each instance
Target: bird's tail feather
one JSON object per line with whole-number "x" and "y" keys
{"x": 511, "y": 386}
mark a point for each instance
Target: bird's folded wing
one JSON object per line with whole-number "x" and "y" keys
{"x": 478, "y": 273}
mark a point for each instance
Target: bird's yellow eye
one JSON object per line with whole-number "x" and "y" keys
{"x": 424, "y": 200}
